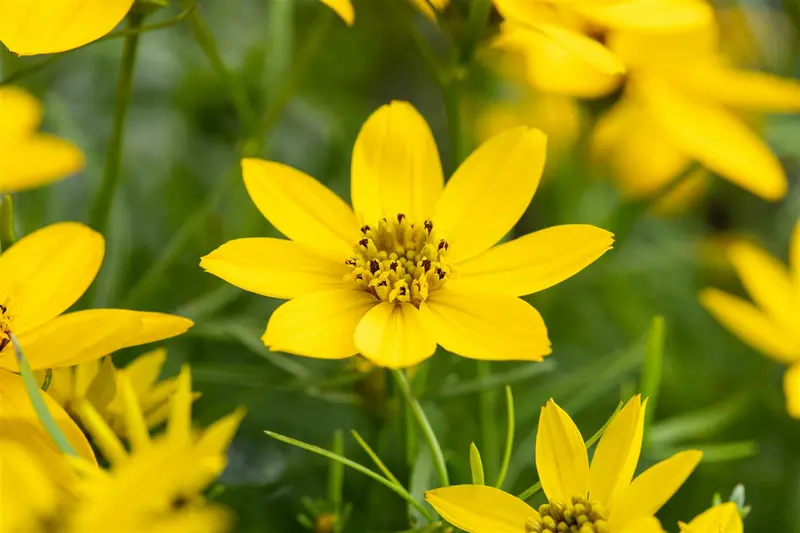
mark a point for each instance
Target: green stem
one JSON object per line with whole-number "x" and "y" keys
{"x": 35, "y": 395}
{"x": 501, "y": 477}
{"x": 177, "y": 19}
{"x": 336, "y": 474}
{"x": 31, "y": 69}
{"x": 7, "y": 234}
{"x": 103, "y": 202}
{"x": 424, "y": 425}
{"x": 652, "y": 372}
{"x": 479, "y": 11}
{"x": 487, "y": 403}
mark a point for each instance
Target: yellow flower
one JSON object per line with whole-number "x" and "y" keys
{"x": 415, "y": 264}
{"x": 723, "y": 518}
{"x": 41, "y": 276}
{"x": 603, "y": 496}
{"x": 28, "y": 158}
{"x": 30, "y": 27}
{"x": 430, "y": 7}
{"x": 343, "y": 8}
{"x": 772, "y": 325}
{"x": 678, "y": 108}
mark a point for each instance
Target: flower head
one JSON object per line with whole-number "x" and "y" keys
{"x": 28, "y": 158}
{"x": 772, "y": 325}
{"x": 722, "y": 518}
{"x": 415, "y": 265}
{"x": 603, "y": 498}
{"x": 43, "y": 27}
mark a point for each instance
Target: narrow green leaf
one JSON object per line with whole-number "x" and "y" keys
{"x": 652, "y": 371}
{"x": 476, "y": 465}
{"x": 375, "y": 459}
{"x": 336, "y": 473}
{"x": 510, "y": 428}
{"x": 7, "y": 233}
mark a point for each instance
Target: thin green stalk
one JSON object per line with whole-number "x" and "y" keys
{"x": 501, "y": 477}
{"x": 487, "y": 404}
{"x": 7, "y": 234}
{"x": 177, "y": 19}
{"x": 478, "y": 16}
{"x": 104, "y": 200}
{"x": 35, "y": 395}
{"x": 424, "y": 426}
{"x": 336, "y": 474}
{"x": 652, "y": 370}
{"x": 397, "y": 489}
{"x": 375, "y": 459}
{"x": 31, "y": 69}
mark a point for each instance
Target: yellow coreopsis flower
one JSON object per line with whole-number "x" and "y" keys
{"x": 602, "y": 499}
{"x": 344, "y": 8}
{"x": 722, "y": 518}
{"x": 30, "y": 27}
{"x": 41, "y": 276}
{"x": 414, "y": 265}
{"x": 28, "y": 158}
{"x": 772, "y": 325}
{"x": 680, "y": 106}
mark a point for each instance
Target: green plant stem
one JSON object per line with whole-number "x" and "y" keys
{"x": 397, "y": 489}
{"x": 39, "y": 405}
{"x": 487, "y": 403}
{"x": 177, "y": 19}
{"x": 104, "y": 200}
{"x": 424, "y": 425}
{"x": 31, "y": 69}
{"x": 7, "y": 234}
{"x": 510, "y": 428}
{"x": 336, "y": 474}
{"x": 652, "y": 371}
{"x": 374, "y": 456}
{"x": 478, "y": 16}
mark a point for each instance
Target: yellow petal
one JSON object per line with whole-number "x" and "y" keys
{"x": 723, "y": 518}
{"x": 180, "y": 416}
{"x": 424, "y": 7}
{"x": 648, "y": 524}
{"x": 480, "y": 508}
{"x": 319, "y": 325}
{"x": 583, "y": 47}
{"x": 769, "y": 284}
{"x": 486, "y": 325}
{"x": 561, "y": 458}
{"x": 135, "y": 425}
{"x": 791, "y": 389}
{"x": 490, "y": 191}
{"x": 47, "y": 271}
{"x": 615, "y": 459}
{"x": 751, "y": 325}
{"x": 343, "y": 8}
{"x": 111, "y": 448}
{"x": 86, "y": 335}
{"x": 30, "y": 27}
{"x": 21, "y": 114}
{"x": 16, "y": 408}
{"x": 649, "y": 15}
{"x": 38, "y": 161}
{"x": 277, "y": 268}
{"x": 651, "y": 490}
{"x": 300, "y": 207}
{"x": 218, "y": 436}
{"x": 671, "y": 52}
{"x": 794, "y": 256}
{"x": 143, "y": 371}
{"x": 392, "y": 336}
{"x": 26, "y": 483}
{"x": 717, "y": 139}
{"x": 396, "y": 167}
{"x": 538, "y": 260}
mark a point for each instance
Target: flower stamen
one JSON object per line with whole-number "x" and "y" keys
{"x": 399, "y": 261}
{"x": 578, "y": 516}
{"x": 6, "y": 322}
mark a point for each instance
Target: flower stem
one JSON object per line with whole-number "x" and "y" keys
{"x": 101, "y": 208}
{"x": 501, "y": 477}
{"x": 7, "y": 233}
{"x": 424, "y": 425}
{"x": 487, "y": 402}
{"x": 478, "y": 15}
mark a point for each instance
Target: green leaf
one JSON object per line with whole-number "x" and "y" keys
{"x": 476, "y": 465}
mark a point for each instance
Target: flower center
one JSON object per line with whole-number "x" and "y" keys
{"x": 399, "y": 261}
{"x": 579, "y": 516}
{"x": 5, "y": 327}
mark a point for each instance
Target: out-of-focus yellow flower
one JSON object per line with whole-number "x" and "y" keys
{"x": 41, "y": 276}
{"x": 429, "y": 8}
{"x": 157, "y": 486}
{"x": 772, "y": 325}
{"x": 98, "y": 382}
{"x": 343, "y": 8}
{"x": 415, "y": 264}
{"x": 604, "y": 496}
{"x": 28, "y": 158}
{"x": 30, "y": 27}
{"x": 722, "y": 518}
{"x": 676, "y": 109}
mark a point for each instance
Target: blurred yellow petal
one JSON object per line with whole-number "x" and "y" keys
{"x": 672, "y": 52}
{"x": 585, "y": 48}
{"x": 648, "y": 524}
{"x": 30, "y": 27}
{"x": 180, "y": 416}
{"x": 430, "y": 7}
{"x": 27, "y": 488}
{"x": 490, "y": 191}
{"x": 649, "y": 15}
{"x": 45, "y": 272}
{"x": 538, "y": 260}
{"x": 334, "y": 316}
{"x": 485, "y": 325}
{"x": 723, "y": 518}
{"x": 718, "y": 140}
{"x": 143, "y": 372}
{"x": 480, "y": 508}
{"x": 38, "y": 161}
{"x": 769, "y": 284}
{"x": 651, "y": 490}
{"x": 343, "y": 8}
{"x": 682, "y": 196}
{"x": 300, "y": 207}
{"x": 396, "y": 167}
{"x": 794, "y": 255}
{"x": 615, "y": 459}
{"x": 135, "y": 424}
{"x": 218, "y": 436}
{"x": 18, "y": 418}
{"x": 277, "y": 268}
{"x": 21, "y": 114}
{"x": 561, "y": 458}
{"x": 111, "y": 448}
{"x": 392, "y": 336}
{"x": 791, "y": 389}
{"x": 750, "y": 324}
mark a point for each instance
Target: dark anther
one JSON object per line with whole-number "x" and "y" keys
{"x": 4, "y": 343}
{"x": 440, "y": 273}
{"x": 359, "y": 277}
{"x": 393, "y": 266}
{"x": 426, "y": 264}
{"x": 382, "y": 283}
{"x": 443, "y": 244}
{"x": 351, "y": 261}
{"x": 374, "y": 266}
{"x": 400, "y": 217}
{"x": 364, "y": 242}
{"x": 3, "y": 308}
{"x": 402, "y": 291}
{"x": 180, "y": 502}
{"x": 365, "y": 229}
{"x": 429, "y": 226}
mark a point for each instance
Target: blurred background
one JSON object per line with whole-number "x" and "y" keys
{"x": 311, "y": 82}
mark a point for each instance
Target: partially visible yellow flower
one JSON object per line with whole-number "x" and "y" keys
{"x": 429, "y": 8}
{"x": 30, "y": 27}
{"x": 722, "y": 518}
{"x": 772, "y": 325}
{"x": 605, "y": 496}
{"x": 416, "y": 263}
{"x": 343, "y": 8}
{"x": 28, "y": 158}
